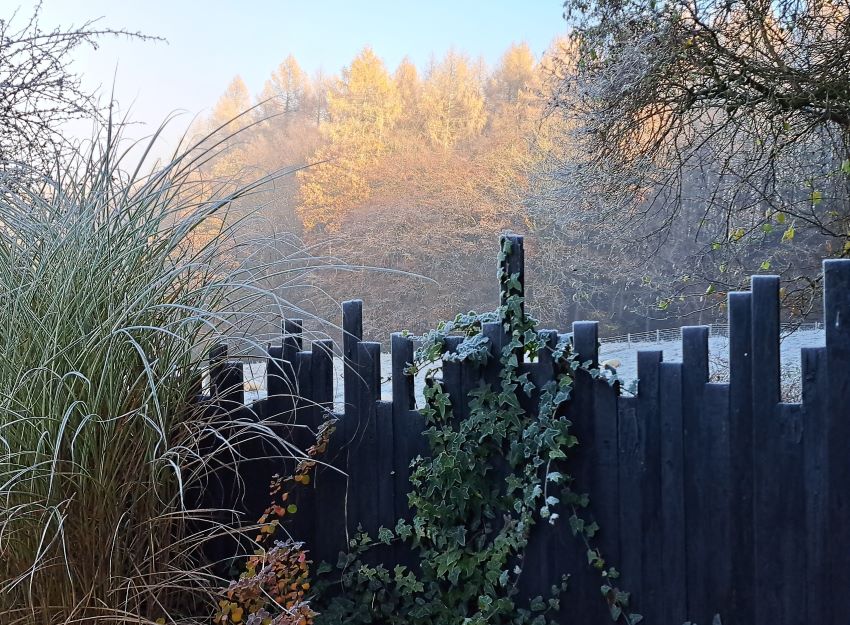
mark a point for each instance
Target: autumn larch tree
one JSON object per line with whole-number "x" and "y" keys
{"x": 363, "y": 108}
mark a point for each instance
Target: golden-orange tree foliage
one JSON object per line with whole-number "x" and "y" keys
{"x": 449, "y": 176}
{"x": 364, "y": 106}
{"x": 411, "y": 170}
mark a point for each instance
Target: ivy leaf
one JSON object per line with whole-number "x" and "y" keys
{"x": 817, "y": 197}
{"x": 765, "y": 265}
{"x": 788, "y": 235}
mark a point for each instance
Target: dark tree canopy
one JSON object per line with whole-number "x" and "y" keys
{"x": 732, "y": 115}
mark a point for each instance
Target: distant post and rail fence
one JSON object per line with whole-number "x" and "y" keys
{"x": 714, "y": 329}
{"x": 712, "y": 498}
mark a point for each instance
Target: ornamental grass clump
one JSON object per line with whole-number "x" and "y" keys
{"x": 113, "y": 286}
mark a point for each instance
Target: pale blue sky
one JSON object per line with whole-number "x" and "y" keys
{"x": 211, "y": 41}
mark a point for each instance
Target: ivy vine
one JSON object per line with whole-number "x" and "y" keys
{"x": 489, "y": 479}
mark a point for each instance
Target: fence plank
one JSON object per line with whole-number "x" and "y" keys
{"x": 362, "y": 461}
{"x": 815, "y": 444}
{"x": 306, "y": 416}
{"x": 293, "y": 341}
{"x": 323, "y": 381}
{"x": 407, "y": 425}
{"x": 471, "y": 375}
{"x": 452, "y": 377}
{"x": 631, "y": 531}
{"x": 837, "y": 324}
{"x": 742, "y": 602}
{"x": 714, "y": 480}
{"x": 408, "y": 441}
{"x": 497, "y": 339}
{"x": 765, "y": 345}
{"x": 291, "y": 344}
{"x": 694, "y": 379}
{"x": 352, "y": 334}
{"x": 329, "y": 483}
{"x": 231, "y": 387}
{"x": 606, "y": 497}
{"x": 673, "y": 523}
{"x": 765, "y": 372}
{"x": 220, "y": 495}
{"x": 276, "y": 384}
{"x": 649, "y": 427}
{"x": 384, "y": 463}
{"x": 545, "y": 371}
{"x": 230, "y": 404}
{"x": 583, "y": 466}
{"x": 217, "y": 358}
{"x": 788, "y": 512}
{"x": 304, "y": 421}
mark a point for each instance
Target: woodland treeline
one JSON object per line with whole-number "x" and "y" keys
{"x": 401, "y": 178}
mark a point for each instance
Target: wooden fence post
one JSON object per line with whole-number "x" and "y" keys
{"x": 741, "y": 457}
{"x": 649, "y": 427}
{"x": 779, "y": 509}
{"x": 217, "y": 359}
{"x": 583, "y": 466}
{"x": 330, "y": 480}
{"x": 673, "y": 520}
{"x": 363, "y": 476}
{"x": 837, "y": 323}
{"x": 694, "y": 379}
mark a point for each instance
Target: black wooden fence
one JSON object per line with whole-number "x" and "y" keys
{"x": 712, "y": 498}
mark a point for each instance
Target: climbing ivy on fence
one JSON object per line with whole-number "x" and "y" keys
{"x": 489, "y": 479}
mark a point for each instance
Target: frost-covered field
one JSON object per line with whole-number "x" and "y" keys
{"x": 255, "y": 381}
{"x": 718, "y": 349}
{"x": 624, "y": 352}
